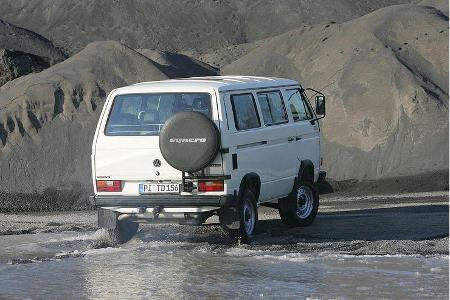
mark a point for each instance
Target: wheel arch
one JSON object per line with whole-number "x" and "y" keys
{"x": 306, "y": 170}
{"x": 252, "y": 181}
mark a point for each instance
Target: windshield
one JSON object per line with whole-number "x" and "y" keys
{"x": 145, "y": 114}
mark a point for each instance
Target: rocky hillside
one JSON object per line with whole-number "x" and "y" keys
{"x": 47, "y": 119}
{"x": 386, "y": 78}
{"x": 385, "y": 74}
{"x": 176, "y": 24}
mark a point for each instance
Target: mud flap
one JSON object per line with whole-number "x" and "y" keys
{"x": 229, "y": 218}
{"x": 107, "y": 218}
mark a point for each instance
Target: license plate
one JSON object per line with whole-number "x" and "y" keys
{"x": 159, "y": 188}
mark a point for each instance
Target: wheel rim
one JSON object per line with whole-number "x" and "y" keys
{"x": 305, "y": 202}
{"x": 249, "y": 217}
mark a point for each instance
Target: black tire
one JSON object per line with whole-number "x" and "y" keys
{"x": 248, "y": 218}
{"x": 300, "y": 208}
{"x": 119, "y": 231}
{"x": 189, "y": 141}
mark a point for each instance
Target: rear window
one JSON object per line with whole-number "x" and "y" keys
{"x": 145, "y": 114}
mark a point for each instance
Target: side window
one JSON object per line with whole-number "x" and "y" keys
{"x": 272, "y": 108}
{"x": 298, "y": 105}
{"x": 244, "y": 111}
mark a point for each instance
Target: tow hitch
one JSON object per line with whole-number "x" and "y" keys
{"x": 156, "y": 211}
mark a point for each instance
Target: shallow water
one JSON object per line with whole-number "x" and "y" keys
{"x": 169, "y": 262}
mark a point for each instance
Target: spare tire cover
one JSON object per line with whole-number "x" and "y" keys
{"x": 189, "y": 141}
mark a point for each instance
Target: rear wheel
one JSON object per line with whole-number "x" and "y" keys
{"x": 300, "y": 208}
{"x": 124, "y": 231}
{"x": 119, "y": 231}
{"x": 247, "y": 212}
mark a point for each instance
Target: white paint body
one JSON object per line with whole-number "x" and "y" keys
{"x": 272, "y": 152}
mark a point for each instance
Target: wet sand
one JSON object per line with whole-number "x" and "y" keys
{"x": 415, "y": 223}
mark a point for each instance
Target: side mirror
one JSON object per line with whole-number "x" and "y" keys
{"x": 320, "y": 106}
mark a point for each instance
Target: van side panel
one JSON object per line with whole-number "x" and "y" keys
{"x": 265, "y": 151}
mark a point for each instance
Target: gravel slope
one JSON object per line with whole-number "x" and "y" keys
{"x": 175, "y": 24}
{"x": 47, "y": 122}
{"x": 386, "y": 78}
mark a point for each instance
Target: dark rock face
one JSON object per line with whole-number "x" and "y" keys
{"x": 14, "y": 64}
{"x": 20, "y": 39}
{"x": 176, "y": 65}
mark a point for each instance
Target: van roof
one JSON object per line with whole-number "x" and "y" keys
{"x": 221, "y": 83}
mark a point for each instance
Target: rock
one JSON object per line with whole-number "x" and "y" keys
{"x": 20, "y": 39}
{"x": 14, "y": 64}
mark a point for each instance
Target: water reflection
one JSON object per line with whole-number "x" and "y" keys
{"x": 165, "y": 263}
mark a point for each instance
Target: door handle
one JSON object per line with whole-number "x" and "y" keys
{"x": 291, "y": 138}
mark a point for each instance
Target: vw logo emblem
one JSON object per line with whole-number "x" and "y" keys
{"x": 157, "y": 163}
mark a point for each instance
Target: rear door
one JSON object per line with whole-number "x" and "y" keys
{"x": 127, "y": 142}
{"x": 307, "y": 135}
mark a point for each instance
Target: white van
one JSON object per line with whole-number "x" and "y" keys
{"x": 186, "y": 149}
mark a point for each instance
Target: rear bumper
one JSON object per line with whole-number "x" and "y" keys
{"x": 149, "y": 201}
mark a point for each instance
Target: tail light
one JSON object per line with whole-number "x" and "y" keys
{"x": 210, "y": 185}
{"x": 109, "y": 185}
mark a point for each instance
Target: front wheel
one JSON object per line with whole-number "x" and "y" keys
{"x": 300, "y": 208}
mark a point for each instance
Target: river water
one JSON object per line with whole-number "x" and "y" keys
{"x": 173, "y": 263}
